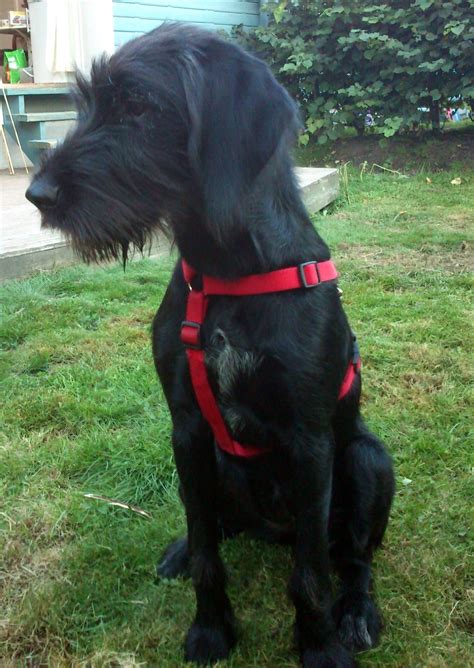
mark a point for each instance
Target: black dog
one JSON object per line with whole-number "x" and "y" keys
{"x": 180, "y": 130}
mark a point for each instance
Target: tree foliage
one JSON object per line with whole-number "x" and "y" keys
{"x": 398, "y": 59}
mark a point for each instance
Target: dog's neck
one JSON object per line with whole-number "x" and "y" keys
{"x": 274, "y": 231}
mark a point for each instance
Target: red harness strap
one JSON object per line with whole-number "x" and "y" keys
{"x": 352, "y": 371}
{"x": 306, "y": 275}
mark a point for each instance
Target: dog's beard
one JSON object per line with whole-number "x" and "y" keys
{"x": 101, "y": 228}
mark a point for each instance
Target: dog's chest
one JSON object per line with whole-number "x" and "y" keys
{"x": 248, "y": 387}
{"x": 231, "y": 367}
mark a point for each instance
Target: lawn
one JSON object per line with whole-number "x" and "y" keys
{"x": 83, "y": 413}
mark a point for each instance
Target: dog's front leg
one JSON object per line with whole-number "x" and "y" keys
{"x": 211, "y": 636}
{"x": 310, "y": 587}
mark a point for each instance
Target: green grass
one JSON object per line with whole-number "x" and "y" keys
{"x": 83, "y": 413}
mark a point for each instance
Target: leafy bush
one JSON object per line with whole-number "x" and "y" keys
{"x": 404, "y": 60}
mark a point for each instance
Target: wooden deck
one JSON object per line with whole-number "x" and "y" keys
{"x": 26, "y": 248}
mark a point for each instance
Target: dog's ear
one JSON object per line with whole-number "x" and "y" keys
{"x": 243, "y": 116}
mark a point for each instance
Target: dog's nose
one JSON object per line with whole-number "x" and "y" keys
{"x": 43, "y": 193}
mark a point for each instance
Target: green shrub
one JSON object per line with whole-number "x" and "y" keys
{"x": 404, "y": 60}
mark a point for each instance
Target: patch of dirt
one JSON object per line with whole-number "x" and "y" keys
{"x": 112, "y": 660}
{"x": 424, "y": 259}
{"x": 134, "y": 319}
{"x": 460, "y": 221}
{"x": 28, "y": 560}
{"x": 405, "y": 153}
{"x": 417, "y": 381}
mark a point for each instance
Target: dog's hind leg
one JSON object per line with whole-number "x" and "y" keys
{"x": 363, "y": 489}
{"x": 174, "y": 561}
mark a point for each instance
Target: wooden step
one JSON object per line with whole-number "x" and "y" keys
{"x": 43, "y": 143}
{"x": 319, "y": 186}
{"x": 37, "y": 117}
{"x": 13, "y": 90}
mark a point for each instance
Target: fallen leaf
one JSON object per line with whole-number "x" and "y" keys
{"x": 400, "y": 213}
{"x": 456, "y": 181}
{"x": 428, "y": 180}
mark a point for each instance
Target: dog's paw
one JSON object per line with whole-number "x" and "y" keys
{"x": 175, "y": 560}
{"x": 207, "y": 644}
{"x": 358, "y": 621}
{"x": 335, "y": 656}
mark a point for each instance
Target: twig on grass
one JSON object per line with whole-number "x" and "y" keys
{"x": 386, "y": 169}
{"x": 446, "y": 628}
{"x": 11, "y": 523}
{"x": 119, "y": 504}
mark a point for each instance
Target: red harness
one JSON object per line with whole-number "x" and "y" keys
{"x": 304, "y": 276}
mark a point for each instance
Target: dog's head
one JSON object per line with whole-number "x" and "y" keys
{"x": 173, "y": 130}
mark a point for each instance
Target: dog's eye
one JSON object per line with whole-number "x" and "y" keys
{"x": 136, "y": 107}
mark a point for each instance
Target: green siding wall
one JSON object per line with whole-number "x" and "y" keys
{"x": 134, "y": 18}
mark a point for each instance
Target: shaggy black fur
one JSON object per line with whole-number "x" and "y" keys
{"x": 184, "y": 132}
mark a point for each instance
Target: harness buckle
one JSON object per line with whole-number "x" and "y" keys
{"x": 191, "y": 334}
{"x": 308, "y": 280}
